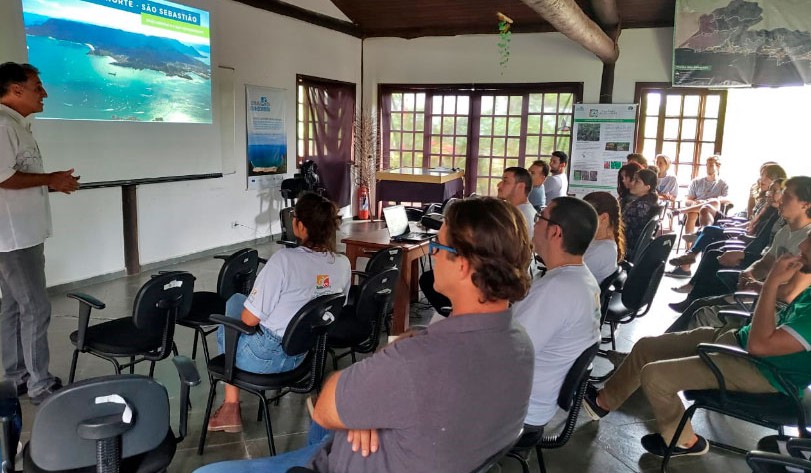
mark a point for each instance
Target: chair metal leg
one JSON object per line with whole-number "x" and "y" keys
{"x": 268, "y": 428}
{"x": 75, "y": 359}
{"x": 541, "y": 464}
{"x": 613, "y": 337}
{"x": 688, "y": 414}
{"x": 352, "y": 354}
{"x": 521, "y": 460}
{"x": 132, "y": 365}
{"x": 174, "y": 348}
{"x": 194, "y": 344}
{"x": 204, "y": 343}
{"x": 151, "y": 369}
{"x": 211, "y": 393}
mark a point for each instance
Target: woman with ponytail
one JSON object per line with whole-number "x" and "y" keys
{"x": 608, "y": 247}
{"x": 291, "y": 278}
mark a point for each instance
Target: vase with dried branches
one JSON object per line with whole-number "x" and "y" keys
{"x": 366, "y": 160}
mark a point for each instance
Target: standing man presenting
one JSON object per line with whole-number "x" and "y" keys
{"x": 25, "y": 223}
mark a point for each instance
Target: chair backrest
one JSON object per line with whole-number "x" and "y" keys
{"x": 577, "y": 375}
{"x": 387, "y": 258}
{"x": 288, "y": 238}
{"x": 55, "y": 444}
{"x": 238, "y": 273}
{"x": 644, "y": 277}
{"x": 373, "y": 297}
{"x": 607, "y": 288}
{"x": 310, "y": 323}
{"x": 167, "y": 295}
{"x": 645, "y": 238}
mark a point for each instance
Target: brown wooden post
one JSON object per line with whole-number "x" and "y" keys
{"x": 129, "y": 208}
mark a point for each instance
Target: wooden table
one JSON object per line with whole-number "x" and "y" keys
{"x": 363, "y": 238}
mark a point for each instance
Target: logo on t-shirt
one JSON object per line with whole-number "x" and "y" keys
{"x": 322, "y": 281}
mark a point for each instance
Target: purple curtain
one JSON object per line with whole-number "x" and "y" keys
{"x": 331, "y": 108}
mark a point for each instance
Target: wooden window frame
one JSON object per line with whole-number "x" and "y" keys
{"x": 700, "y": 155}
{"x": 475, "y": 92}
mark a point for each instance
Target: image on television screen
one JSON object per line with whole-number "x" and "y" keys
{"x": 135, "y": 60}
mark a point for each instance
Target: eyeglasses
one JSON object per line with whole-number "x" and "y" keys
{"x": 434, "y": 247}
{"x": 539, "y": 216}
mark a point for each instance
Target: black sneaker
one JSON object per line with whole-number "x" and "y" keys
{"x": 590, "y": 404}
{"x": 56, "y": 386}
{"x": 680, "y": 307}
{"x": 655, "y": 444}
{"x": 678, "y": 273}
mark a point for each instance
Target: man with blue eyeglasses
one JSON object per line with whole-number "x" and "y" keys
{"x": 444, "y": 399}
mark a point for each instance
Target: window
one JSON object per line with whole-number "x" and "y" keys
{"x": 325, "y": 112}
{"x": 481, "y": 129}
{"x": 686, "y": 124}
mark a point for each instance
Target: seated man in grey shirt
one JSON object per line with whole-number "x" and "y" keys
{"x": 559, "y": 332}
{"x": 444, "y": 399}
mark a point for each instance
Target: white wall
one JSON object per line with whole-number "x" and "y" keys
{"x": 536, "y": 57}
{"x": 265, "y": 49}
{"x": 176, "y": 219}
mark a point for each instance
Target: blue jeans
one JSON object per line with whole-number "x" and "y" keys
{"x": 316, "y": 438}
{"x": 259, "y": 353}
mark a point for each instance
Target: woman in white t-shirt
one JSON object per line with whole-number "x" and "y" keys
{"x": 291, "y": 278}
{"x": 608, "y": 247}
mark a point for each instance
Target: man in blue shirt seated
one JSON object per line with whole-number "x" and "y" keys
{"x": 667, "y": 364}
{"x": 444, "y": 399}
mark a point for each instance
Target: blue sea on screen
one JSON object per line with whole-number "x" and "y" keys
{"x": 87, "y": 87}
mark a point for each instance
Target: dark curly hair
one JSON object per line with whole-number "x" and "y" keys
{"x": 492, "y": 235}
{"x": 320, "y": 217}
{"x": 801, "y": 187}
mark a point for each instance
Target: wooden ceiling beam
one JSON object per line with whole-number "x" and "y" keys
{"x": 567, "y": 17}
{"x": 307, "y": 16}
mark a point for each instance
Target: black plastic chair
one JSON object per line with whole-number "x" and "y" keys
{"x": 306, "y": 333}
{"x": 358, "y": 326}
{"x": 146, "y": 336}
{"x": 771, "y": 410}
{"x": 608, "y": 286}
{"x": 639, "y": 289}
{"x": 483, "y": 468}
{"x": 767, "y": 462}
{"x": 646, "y": 237}
{"x": 381, "y": 260}
{"x": 570, "y": 398}
{"x": 11, "y": 424}
{"x": 84, "y": 427}
{"x": 237, "y": 275}
{"x": 287, "y": 238}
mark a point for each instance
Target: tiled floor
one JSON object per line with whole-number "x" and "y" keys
{"x": 611, "y": 445}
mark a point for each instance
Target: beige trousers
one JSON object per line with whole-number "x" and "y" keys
{"x": 669, "y": 363}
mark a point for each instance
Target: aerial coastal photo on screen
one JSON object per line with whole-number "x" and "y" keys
{"x": 135, "y": 60}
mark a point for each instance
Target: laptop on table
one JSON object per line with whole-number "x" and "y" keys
{"x": 397, "y": 224}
